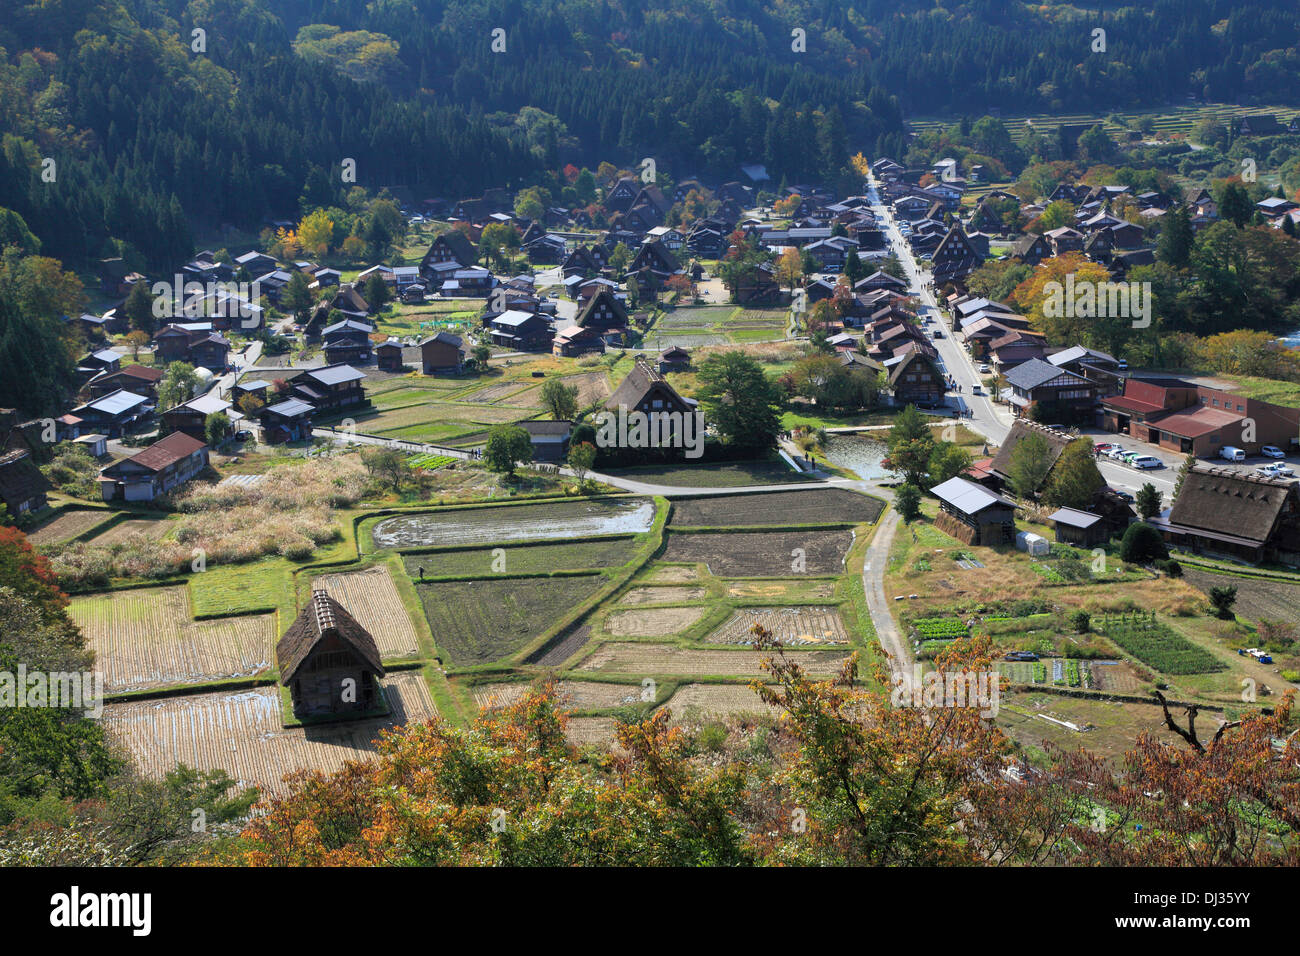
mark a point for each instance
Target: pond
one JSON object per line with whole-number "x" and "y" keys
{"x": 860, "y": 454}
{"x": 560, "y": 519}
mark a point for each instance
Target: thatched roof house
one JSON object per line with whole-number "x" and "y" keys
{"x": 1056, "y": 442}
{"x": 329, "y": 662}
{"x": 1238, "y": 514}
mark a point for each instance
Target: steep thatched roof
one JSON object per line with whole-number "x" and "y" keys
{"x": 321, "y": 619}
{"x": 1222, "y": 501}
{"x": 1056, "y": 442}
{"x": 20, "y": 479}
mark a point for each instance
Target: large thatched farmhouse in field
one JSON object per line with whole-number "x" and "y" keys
{"x": 1241, "y": 515}
{"x": 329, "y": 662}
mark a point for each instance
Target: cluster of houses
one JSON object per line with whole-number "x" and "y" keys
{"x": 1217, "y": 511}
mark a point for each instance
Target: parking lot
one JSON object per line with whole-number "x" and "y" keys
{"x": 1173, "y": 460}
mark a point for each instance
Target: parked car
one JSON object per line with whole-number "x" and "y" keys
{"x": 1102, "y": 447}
{"x": 1117, "y": 452}
{"x": 1122, "y": 365}
{"x": 1275, "y": 470}
{"x": 984, "y": 369}
{"x": 938, "y": 334}
{"x": 976, "y": 390}
{"x": 243, "y": 435}
{"x": 1232, "y": 453}
{"x": 1272, "y": 451}
{"x": 1125, "y": 496}
{"x": 1021, "y": 656}
{"x": 1146, "y": 461}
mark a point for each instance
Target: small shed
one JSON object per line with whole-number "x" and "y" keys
{"x": 1082, "y": 528}
{"x": 1032, "y": 544}
{"x": 973, "y": 514}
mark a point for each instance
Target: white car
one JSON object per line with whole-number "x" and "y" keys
{"x": 1272, "y": 451}
{"x": 1275, "y": 470}
{"x": 1117, "y": 453}
{"x": 984, "y": 369}
{"x": 1147, "y": 461}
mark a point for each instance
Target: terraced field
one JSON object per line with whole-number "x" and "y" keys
{"x": 242, "y": 734}
{"x": 792, "y": 626}
{"x": 68, "y": 525}
{"x": 146, "y": 638}
{"x": 371, "y": 597}
{"x": 715, "y": 700}
{"x": 574, "y": 695}
{"x": 762, "y": 553}
{"x": 477, "y": 622}
{"x": 621, "y": 657}
{"x": 149, "y": 527}
{"x": 819, "y": 506}
{"x": 652, "y": 622}
{"x": 531, "y": 559}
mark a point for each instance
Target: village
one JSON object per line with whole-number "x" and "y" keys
{"x": 389, "y": 478}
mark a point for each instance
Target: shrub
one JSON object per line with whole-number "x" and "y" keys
{"x": 712, "y": 736}
{"x": 1170, "y": 567}
{"x": 1222, "y": 598}
{"x": 908, "y": 502}
{"x": 1081, "y": 621}
{"x": 1142, "y": 544}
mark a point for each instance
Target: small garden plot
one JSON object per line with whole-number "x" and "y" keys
{"x": 815, "y": 506}
{"x": 939, "y": 628}
{"x": 1157, "y": 645}
{"x": 1114, "y": 677}
{"x": 494, "y": 393}
{"x": 573, "y": 694}
{"x": 523, "y": 559}
{"x": 70, "y": 524}
{"x": 146, "y": 638}
{"x": 477, "y": 622}
{"x": 242, "y": 734}
{"x": 564, "y": 519}
{"x": 763, "y": 553}
{"x": 663, "y": 595}
{"x": 781, "y": 590}
{"x": 429, "y": 462}
{"x": 792, "y": 626}
{"x": 715, "y": 700}
{"x": 673, "y": 573}
{"x": 592, "y": 387}
{"x": 152, "y": 528}
{"x": 641, "y": 658}
{"x": 658, "y": 622}
{"x": 371, "y": 597}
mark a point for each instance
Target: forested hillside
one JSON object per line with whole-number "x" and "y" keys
{"x": 153, "y": 138}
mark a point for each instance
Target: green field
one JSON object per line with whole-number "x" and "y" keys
{"x": 1159, "y": 646}
{"x": 478, "y": 622}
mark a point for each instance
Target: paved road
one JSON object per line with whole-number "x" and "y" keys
{"x": 991, "y": 420}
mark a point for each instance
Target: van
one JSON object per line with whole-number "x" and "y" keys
{"x": 1231, "y": 453}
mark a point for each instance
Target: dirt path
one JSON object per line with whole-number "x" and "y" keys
{"x": 891, "y": 639}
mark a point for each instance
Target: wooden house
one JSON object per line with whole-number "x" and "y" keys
{"x": 162, "y": 467}
{"x": 285, "y": 421}
{"x": 451, "y": 246}
{"x": 603, "y": 312}
{"x": 1081, "y": 528}
{"x": 1058, "y": 395}
{"x": 1238, "y": 514}
{"x": 113, "y": 414}
{"x": 329, "y": 662}
{"x": 442, "y": 354}
{"x": 388, "y": 356}
{"x": 973, "y": 514}
{"x": 915, "y": 379}
{"x": 575, "y": 340}
{"x": 332, "y": 389}
{"x": 22, "y": 486}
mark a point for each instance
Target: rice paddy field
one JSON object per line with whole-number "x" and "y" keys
{"x": 69, "y": 524}
{"x": 697, "y": 325}
{"x": 147, "y": 638}
{"x": 371, "y": 597}
{"x": 669, "y": 660}
{"x": 241, "y": 732}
